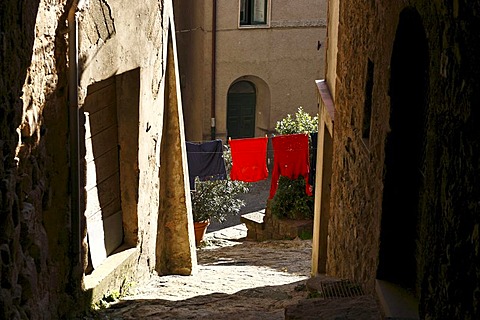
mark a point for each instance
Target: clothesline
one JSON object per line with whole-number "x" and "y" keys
{"x": 246, "y": 139}
{"x": 266, "y": 136}
{"x": 291, "y": 159}
{"x": 221, "y": 152}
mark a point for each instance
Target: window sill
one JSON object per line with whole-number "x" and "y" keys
{"x": 254, "y": 26}
{"x": 111, "y": 273}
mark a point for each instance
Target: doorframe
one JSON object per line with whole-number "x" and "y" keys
{"x": 410, "y": 39}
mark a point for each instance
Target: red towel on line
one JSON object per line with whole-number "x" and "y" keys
{"x": 290, "y": 159}
{"x": 249, "y": 159}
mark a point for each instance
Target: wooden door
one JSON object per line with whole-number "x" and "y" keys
{"x": 103, "y": 207}
{"x": 241, "y": 110}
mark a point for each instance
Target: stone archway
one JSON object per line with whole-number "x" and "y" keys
{"x": 261, "y": 119}
{"x": 404, "y": 151}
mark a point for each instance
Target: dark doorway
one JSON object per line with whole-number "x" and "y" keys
{"x": 241, "y": 110}
{"x": 404, "y": 153}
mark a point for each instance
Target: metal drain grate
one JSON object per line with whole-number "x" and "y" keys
{"x": 339, "y": 289}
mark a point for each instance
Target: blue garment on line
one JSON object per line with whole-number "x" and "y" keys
{"x": 205, "y": 161}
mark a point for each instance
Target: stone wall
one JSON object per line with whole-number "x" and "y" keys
{"x": 34, "y": 212}
{"x": 447, "y": 254}
{"x": 129, "y": 45}
{"x": 358, "y": 164}
{"x": 43, "y": 276}
{"x": 263, "y": 225}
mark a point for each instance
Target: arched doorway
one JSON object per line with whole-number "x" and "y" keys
{"x": 241, "y": 103}
{"x": 404, "y": 153}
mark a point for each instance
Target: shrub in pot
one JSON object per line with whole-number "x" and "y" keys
{"x": 216, "y": 199}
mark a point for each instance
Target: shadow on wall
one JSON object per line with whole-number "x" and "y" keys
{"x": 110, "y": 169}
{"x": 17, "y": 35}
{"x": 34, "y": 242}
{"x": 404, "y": 152}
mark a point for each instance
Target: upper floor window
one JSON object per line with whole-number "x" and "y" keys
{"x": 253, "y": 12}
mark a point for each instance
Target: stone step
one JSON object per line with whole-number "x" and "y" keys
{"x": 396, "y": 302}
{"x": 254, "y": 223}
{"x": 253, "y": 217}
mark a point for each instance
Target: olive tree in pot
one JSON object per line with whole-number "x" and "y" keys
{"x": 215, "y": 200}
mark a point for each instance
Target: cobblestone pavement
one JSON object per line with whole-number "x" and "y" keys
{"x": 236, "y": 279}
{"x": 239, "y": 279}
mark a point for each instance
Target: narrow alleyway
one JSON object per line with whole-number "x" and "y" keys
{"x": 235, "y": 278}
{"x": 238, "y": 279}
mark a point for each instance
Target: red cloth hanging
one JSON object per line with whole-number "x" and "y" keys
{"x": 290, "y": 159}
{"x": 249, "y": 159}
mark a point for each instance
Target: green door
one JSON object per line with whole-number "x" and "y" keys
{"x": 241, "y": 110}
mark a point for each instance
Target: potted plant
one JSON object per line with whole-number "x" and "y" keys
{"x": 215, "y": 200}
{"x": 291, "y": 201}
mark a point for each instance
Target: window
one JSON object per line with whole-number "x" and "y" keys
{"x": 253, "y": 12}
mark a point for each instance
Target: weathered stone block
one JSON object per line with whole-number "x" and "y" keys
{"x": 254, "y": 224}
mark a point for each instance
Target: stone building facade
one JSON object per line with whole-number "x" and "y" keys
{"x": 93, "y": 163}
{"x": 248, "y": 63}
{"x": 400, "y": 105}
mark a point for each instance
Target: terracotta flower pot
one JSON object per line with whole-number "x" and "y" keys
{"x": 200, "y": 230}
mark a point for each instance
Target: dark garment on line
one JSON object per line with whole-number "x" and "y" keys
{"x": 205, "y": 161}
{"x": 313, "y": 159}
